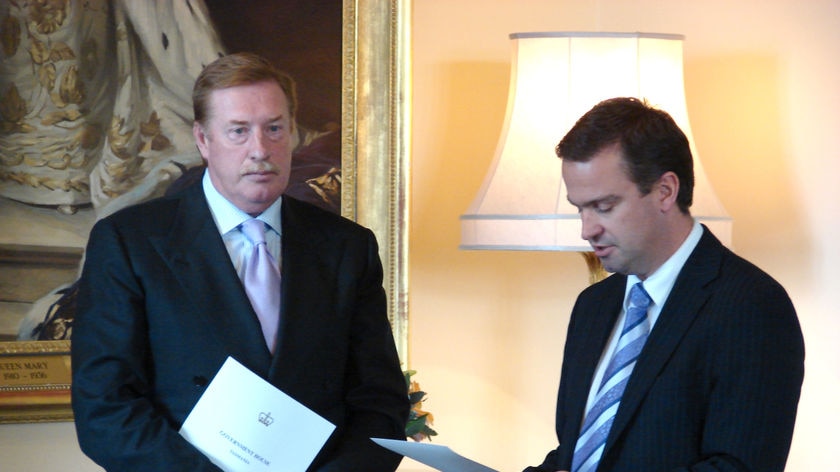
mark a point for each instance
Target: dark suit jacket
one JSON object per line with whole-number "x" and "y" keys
{"x": 717, "y": 384}
{"x": 161, "y": 307}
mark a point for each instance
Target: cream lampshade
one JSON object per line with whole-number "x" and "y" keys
{"x": 555, "y": 78}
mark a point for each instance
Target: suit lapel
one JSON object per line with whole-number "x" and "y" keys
{"x": 307, "y": 282}
{"x": 678, "y": 314}
{"x": 199, "y": 261}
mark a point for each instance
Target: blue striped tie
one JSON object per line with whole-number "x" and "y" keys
{"x": 599, "y": 419}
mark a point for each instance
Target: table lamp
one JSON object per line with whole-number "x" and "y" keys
{"x": 556, "y": 77}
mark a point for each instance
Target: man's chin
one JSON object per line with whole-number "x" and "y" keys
{"x": 610, "y": 262}
{"x": 258, "y": 202}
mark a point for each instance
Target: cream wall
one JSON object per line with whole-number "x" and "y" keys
{"x": 487, "y": 328}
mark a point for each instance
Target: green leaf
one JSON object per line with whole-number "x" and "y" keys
{"x": 416, "y": 397}
{"x": 414, "y": 427}
{"x": 407, "y": 374}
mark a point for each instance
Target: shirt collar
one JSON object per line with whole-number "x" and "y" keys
{"x": 227, "y": 216}
{"x": 660, "y": 283}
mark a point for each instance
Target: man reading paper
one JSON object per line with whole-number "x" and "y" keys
{"x": 162, "y": 298}
{"x": 688, "y": 357}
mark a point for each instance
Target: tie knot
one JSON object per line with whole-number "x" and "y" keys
{"x": 254, "y": 230}
{"x": 639, "y": 298}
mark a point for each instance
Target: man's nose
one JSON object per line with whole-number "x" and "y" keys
{"x": 590, "y": 226}
{"x": 259, "y": 148}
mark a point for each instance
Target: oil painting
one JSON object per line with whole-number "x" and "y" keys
{"x": 95, "y": 115}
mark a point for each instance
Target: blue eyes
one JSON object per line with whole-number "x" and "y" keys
{"x": 241, "y": 133}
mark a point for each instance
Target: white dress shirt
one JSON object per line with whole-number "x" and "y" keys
{"x": 228, "y": 218}
{"x": 658, "y": 286}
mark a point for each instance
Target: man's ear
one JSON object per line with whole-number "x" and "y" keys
{"x": 200, "y": 139}
{"x": 666, "y": 189}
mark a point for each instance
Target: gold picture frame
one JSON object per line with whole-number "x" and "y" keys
{"x": 375, "y": 154}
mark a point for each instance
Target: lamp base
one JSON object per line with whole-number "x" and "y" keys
{"x": 597, "y": 272}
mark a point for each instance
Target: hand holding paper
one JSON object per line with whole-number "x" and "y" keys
{"x": 244, "y": 424}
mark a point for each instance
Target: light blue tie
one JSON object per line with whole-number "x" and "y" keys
{"x": 599, "y": 419}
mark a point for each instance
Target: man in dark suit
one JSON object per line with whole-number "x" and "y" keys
{"x": 712, "y": 380}
{"x": 161, "y": 305}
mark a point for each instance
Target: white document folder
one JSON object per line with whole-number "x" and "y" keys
{"x": 244, "y": 424}
{"x": 440, "y": 457}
